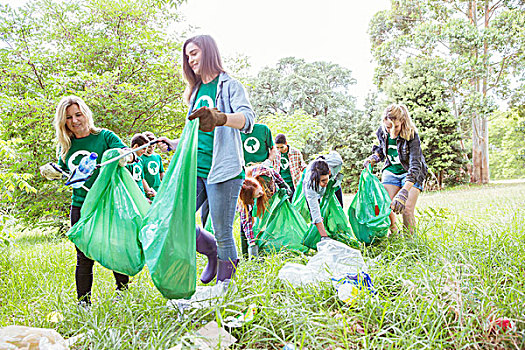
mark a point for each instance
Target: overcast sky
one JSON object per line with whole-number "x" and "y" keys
{"x": 316, "y": 30}
{"x": 265, "y": 31}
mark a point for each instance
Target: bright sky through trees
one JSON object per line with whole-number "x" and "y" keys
{"x": 265, "y": 31}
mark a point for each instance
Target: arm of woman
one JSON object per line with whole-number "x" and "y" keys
{"x": 415, "y": 165}
{"x": 312, "y": 198}
{"x": 243, "y": 116}
{"x": 247, "y": 225}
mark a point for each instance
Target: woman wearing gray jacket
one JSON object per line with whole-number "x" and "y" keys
{"x": 316, "y": 178}
{"x": 405, "y": 168}
{"x": 221, "y": 104}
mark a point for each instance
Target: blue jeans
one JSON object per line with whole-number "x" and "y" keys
{"x": 222, "y": 201}
{"x": 389, "y": 178}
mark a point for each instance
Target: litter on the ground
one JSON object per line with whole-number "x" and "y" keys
{"x": 205, "y": 296}
{"x": 55, "y": 317}
{"x": 209, "y": 337}
{"x": 348, "y": 286}
{"x": 245, "y": 317}
{"x": 333, "y": 259}
{"x": 21, "y": 337}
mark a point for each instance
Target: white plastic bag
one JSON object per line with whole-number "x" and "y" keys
{"x": 333, "y": 258}
{"x": 25, "y": 338}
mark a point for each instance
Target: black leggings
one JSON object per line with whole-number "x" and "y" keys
{"x": 84, "y": 269}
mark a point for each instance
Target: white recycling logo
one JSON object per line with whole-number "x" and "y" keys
{"x": 137, "y": 173}
{"x": 252, "y": 144}
{"x": 284, "y": 163}
{"x": 73, "y": 159}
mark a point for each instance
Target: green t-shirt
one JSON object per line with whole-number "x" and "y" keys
{"x": 205, "y": 97}
{"x": 257, "y": 144}
{"x": 137, "y": 170}
{"x": 98, "y": 143}
{"x": 395, "y": 164}
{"x": 152, "y": 169}
{"x": 285, "y": 170}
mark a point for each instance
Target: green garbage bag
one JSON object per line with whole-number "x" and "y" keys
{"x": 168, "y": 234}
{"x": 335, "y": 222}
{"x": 369, "y": 211}
{"x": 281, "y": 227}
{"x": 110, "y": 220}
{"x": 299, "y": 201}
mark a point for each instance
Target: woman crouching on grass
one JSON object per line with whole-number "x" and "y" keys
{"x": 405, "y": 168}
{"x": 260, "y": 185}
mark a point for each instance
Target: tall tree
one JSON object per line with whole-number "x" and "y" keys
{"x": 481, "y": 42}
{"x": 116, "y": 55}
{"x": 319, "y": 90}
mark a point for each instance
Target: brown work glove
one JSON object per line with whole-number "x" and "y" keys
{"x": 372, "y": 160}
{"x": 398, "y": 203}
{"x": 209, "y": 118}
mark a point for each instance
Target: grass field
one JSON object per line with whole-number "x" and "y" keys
{"x": 436, "y": 290}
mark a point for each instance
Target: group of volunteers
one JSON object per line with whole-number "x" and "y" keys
{"x": 239, "y": 164}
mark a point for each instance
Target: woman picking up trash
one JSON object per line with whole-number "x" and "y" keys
{"x": 316, "y": 178}
{"x": 223, "y": 109}
{"x": 260, "y": 185}
{"x": 405, "y": 168}
{"x": 78, "y": 137}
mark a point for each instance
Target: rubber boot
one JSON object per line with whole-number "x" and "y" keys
{"x": 226, "y": 269}
{"x": 207, "y": 245}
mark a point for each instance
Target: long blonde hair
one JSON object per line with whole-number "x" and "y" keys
{"x": 400, "y": 112}
{"x": 63, "y": 134}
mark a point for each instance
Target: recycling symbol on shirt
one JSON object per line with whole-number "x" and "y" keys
{"x": 252, "y": 144}
{"x": 137, "y": 173}
{"x": 284, "y": 163}
{"x": 73, "y": 163}
{"x": 207, "y": 99}
{"x": 153, "y": 167}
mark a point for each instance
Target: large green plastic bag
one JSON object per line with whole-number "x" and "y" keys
{"x": 110, "y": 220}
{"x": 281, "y": 227}
{"x": 168, "y": 234}
{"x": 334, "y": 220}
{"x": 369, "y": 211}
{"x": 299, "y": 201}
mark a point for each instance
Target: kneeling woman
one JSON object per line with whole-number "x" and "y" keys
{"x": 405, "y": 168}
{"x": 316, "y": 178}
{"x": 260, "y": 185}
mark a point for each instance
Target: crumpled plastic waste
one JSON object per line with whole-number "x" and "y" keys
{"x": 333, "y": 259}
{"x": 348, "y": 286}
{"x": 205, "y": 296}
{"x": 246, "y": 317}
{"x": 21, "y": 337}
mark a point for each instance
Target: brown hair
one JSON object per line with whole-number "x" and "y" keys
{"x": 210, "y": 64}
{"x": 139, "y": 140}
{"x": 248, "y": 189}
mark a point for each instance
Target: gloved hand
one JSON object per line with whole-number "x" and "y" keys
{"x": 130, "y": 158}
{"x": 398, "y": 203}
{"x": 151, "y": 193}
{"x": 209, "y": 118}
{"x": 373, "y": 159}
{"x": 253, "y": 251}
{"x": 289, "y": 191}
{"x": 49, "y": 172}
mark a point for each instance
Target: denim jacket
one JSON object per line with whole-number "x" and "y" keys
{"x": 228, "y": 157}
{"x": 410, "y": 155}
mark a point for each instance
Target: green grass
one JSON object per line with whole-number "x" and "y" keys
{"x": 436, "y": 289}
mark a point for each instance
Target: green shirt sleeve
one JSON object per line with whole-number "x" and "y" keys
{"x": 112, "y": 140}
{"x": 269, "y": 138}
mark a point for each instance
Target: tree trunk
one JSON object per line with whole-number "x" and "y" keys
{"x": 480, "y": 135}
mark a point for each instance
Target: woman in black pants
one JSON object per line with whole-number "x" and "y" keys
{"x": 77, "y": 137}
